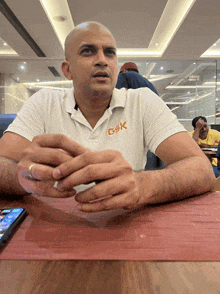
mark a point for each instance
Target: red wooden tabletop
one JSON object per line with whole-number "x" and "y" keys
{"x": 54, "y": 229}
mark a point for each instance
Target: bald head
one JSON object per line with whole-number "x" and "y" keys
{"x": 83, "y": 27}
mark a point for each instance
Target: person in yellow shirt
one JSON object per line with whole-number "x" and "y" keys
{"x": 205, "y": 137}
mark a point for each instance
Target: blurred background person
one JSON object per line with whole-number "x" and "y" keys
{"x": 130, "y": 78}
{"x": 206, "y": 138}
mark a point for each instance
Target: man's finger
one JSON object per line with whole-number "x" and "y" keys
{"x": 59, "y": 141}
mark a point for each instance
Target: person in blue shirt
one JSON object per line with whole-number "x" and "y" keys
{"x": 216, "y": 169}
{"x": 130, "y": 78}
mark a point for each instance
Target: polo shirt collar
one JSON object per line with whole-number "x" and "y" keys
{"x": 118, "y": 99}
{"x": 69, "y": 100}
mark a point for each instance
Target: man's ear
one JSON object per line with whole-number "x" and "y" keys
{"x": 66, "y": 70}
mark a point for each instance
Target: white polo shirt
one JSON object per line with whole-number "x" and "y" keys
{"x": 136, "y": 121}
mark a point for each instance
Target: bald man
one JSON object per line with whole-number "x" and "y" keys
{"x": 93, "y": 138}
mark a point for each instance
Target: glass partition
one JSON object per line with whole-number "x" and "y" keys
{"x": 189, "y": 88}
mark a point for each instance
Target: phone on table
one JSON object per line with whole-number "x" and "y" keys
{"x": 10, "y": 218}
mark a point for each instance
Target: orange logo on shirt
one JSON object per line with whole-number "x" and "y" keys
{"x": 118, "y": 128}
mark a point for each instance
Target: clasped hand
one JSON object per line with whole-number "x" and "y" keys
{"x": 58, "y": 158}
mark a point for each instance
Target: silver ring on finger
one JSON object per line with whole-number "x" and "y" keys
{"x": 30, "y": 170}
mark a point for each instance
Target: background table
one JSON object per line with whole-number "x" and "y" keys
{"x": 57, "y": 248}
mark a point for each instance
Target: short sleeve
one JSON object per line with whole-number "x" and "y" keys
{"x": 29, "y": 121}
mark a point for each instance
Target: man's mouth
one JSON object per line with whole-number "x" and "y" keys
{"x": 101, "y": 75}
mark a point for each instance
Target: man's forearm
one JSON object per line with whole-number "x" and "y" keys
{"x": 188, "y": 177}
{"x": 9, "y": 183}
{"x": 196, "y": 135}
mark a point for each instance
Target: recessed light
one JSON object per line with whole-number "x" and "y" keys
{"x": 156, "y": 44}
{"x": 214, "y": 44}
{"x": 161, "y": 68}
{"x": 17, "y": 79}
{"x": 38, "y": 80}
{"x": 5, "y": 44}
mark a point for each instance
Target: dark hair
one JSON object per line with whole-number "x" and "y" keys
{"x": 194, "y": 121}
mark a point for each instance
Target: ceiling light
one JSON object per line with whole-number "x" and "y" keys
{"x": 17, "y": 79}
{"x": 212, "y": 51}
{"x": 136, "y": 53}
{"x": 59, "y": 15}
{"x": 156, "y": 44}
{"x": 6, "y": 49}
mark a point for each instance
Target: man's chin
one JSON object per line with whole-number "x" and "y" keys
{"x": 101, "y": 90}
{"x": 203, "y": 137}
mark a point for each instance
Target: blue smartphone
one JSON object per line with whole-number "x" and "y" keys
{"x": 10, "y": 218}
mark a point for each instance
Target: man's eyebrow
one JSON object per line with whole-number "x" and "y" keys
{"x": 87, "y": 46}
{"x": 110, "y": 47}
{"x": 93, "y": 46}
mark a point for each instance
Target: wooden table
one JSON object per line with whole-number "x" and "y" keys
{"x": 58, "y": 249}
{"x": 210, "y": 153}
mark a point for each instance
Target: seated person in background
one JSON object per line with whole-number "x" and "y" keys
{"x": 94, "y": 133}
{"x": 130, "y": 78}
{"x": 204, "y": 137}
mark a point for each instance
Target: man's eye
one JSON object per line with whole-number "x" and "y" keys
{"x": 110, "y": 52}
{"x": 86, "y": 51}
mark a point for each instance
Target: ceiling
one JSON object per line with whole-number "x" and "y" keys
{"x": 26, "y": 29}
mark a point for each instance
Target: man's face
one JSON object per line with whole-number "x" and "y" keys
{"x": 204, "y": 131}
{"x": 92, "y": 63}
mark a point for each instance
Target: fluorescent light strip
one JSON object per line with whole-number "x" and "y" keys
{"x": 50, "y": 83}
{"x": 136, "y": 53}
{"x": 190, "y": 101}
{"x": 172, "y": 17}
{"x": 174, "y": 108}
{"x": 190, "y": 87}
{"x": 15, "y": 97}
{"x": 7, "y": 50}
{"x": 214, "y": 50}
{"x": 57, "y": 8}
{"x": 48, "y": 87}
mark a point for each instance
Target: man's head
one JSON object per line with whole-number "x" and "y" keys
{"x": 129, "y": 66}
{"x": 201, "y": 122}
{"x": 91, "y": 60}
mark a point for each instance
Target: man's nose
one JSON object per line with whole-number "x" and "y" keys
{"x": 100, "y": 59}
